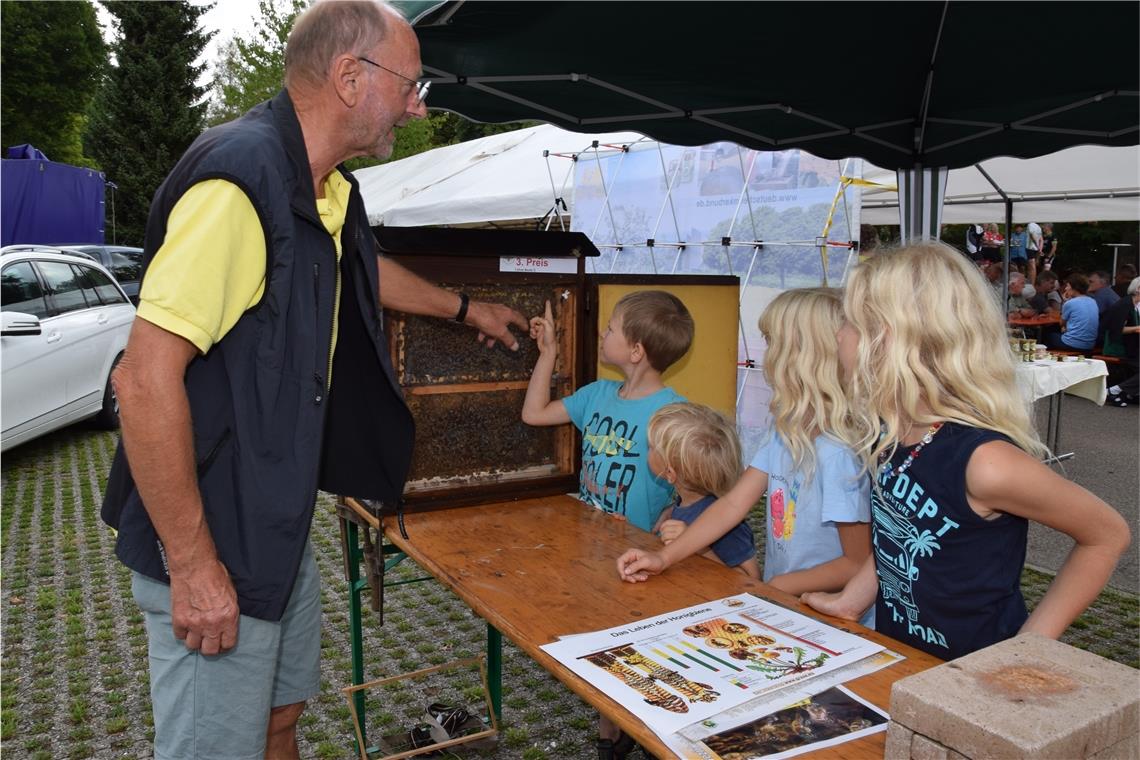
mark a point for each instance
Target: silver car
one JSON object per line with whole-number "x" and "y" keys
{"x": 65, "y": 325}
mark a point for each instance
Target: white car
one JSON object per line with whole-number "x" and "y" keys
{"x": 65, "y": 325}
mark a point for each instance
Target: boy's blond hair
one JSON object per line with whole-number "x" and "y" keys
{"x": 802, "y": 368}
{"x": 658, "y": 321}
{"x": 929, "y": 332}
{"x": 699, "y": 443}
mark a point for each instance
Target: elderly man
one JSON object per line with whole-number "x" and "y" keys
{"x": 257, "y": 373}
{"x": 1048, "y": 298}
{"x": 1019, "y": 295}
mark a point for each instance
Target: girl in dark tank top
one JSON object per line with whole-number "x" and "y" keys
{"x": 956, "y": 465}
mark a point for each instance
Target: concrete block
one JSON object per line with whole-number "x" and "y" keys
{"x": 922, "y": 748}
{"x": 898, "y": 742}
{"x": 1029, "y": 697}
{"x": 1128, "y": 749}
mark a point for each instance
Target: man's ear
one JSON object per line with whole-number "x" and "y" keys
{"x": 637, "y": 353}
{"x": 347, "y": 76}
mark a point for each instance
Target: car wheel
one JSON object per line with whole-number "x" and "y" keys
{"x": 108, "y": 416}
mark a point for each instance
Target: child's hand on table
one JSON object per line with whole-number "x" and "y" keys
{"x": 670, "y": 530}
{"x": 637, "y": 565}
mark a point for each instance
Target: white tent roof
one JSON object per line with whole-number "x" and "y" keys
{"x": 500, "y": 178}
{"x": 1042, "y": 189}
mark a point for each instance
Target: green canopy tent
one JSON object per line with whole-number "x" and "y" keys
{"x": 918, "y": 87}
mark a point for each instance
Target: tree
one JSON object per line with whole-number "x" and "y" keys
{"x": 52, "y": 55}
{"x": 150, "y": 106}
{"x": 250, "y": 70}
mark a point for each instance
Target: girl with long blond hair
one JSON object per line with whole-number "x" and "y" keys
{"x": 939, "y": 423}
{"x": 818, "y": 503}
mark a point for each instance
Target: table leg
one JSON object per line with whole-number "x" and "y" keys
{"x": 356, "y": 587}
{"x": 495, "y": 669}
{"x": 1053, "y": 430}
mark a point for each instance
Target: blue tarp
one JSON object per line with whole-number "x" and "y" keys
{"x": 43, "y": 201}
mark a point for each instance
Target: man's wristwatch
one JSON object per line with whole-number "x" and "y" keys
{"x": 464, "y": 302}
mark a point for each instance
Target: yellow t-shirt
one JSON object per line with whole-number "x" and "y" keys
{"x": 211, "y": 267}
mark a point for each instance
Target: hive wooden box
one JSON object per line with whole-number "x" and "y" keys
{"x": 471, "y": 444}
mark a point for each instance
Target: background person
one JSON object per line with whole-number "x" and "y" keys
{"x": 1049, "y": 245}
{"x": 1122, "y": 339}
{"x": 1017, "y": 240}
{"x": 1033, "y": 248}
{"x": 1019, "y": 294}
{"x": 1079, "y": 318}
{"x": 1125, "y": 273}
{"x": 1046, "y": 299}
{"x": 256, "y": 373}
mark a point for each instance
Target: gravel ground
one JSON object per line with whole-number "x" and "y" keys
{"x": 73, "y": 682}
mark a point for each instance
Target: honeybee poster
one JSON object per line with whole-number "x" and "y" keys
{"x": 831, "y": 717}
{"x": 688, "y": 665}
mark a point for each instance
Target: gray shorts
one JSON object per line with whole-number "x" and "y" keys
{"x": 218, "y": 706}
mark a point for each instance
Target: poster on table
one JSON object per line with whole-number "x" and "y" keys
{"x": 690, "y": 742}
{"x": 686, "y": 666}
{"x": 825, "y": 719}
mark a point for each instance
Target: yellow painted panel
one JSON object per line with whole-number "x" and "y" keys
{"x": 707, "y": 373}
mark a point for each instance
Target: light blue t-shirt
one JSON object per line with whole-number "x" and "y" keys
{"x": 802, "y": 516}
{"x": 1081, "y": 318}
{"x": 615, "y": 473}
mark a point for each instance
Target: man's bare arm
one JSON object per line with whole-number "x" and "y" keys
{"x": 159, "y": 443}
{"x": 405, "y": 291}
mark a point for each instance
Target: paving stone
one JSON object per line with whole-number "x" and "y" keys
{"x": 922, "y": 748}
{"x": 1029, "y": 696}
{"x": 898, "y": 742}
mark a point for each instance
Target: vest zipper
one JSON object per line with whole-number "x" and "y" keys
{"x": 317, "y": 320}
{"x": 332, "y": 324}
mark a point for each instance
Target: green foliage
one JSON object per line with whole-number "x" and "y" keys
{"x": 251, "y": 70}
{"x": 150, "y": 107}
{"x": 52, "y": 55}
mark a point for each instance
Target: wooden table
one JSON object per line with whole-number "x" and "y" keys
{"x": 542, "y": 568}
{"x": 1041, "y": 320}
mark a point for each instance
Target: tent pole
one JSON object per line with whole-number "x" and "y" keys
{"x": 1008, "y": 229}
{"x": 921, "y": 191}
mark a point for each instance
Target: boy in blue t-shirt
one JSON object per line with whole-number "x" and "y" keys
{"x": 648, "y": 332}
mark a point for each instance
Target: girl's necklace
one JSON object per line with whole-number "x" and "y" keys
{"x": 896, "y": 471}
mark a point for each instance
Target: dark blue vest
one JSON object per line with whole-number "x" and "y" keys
{"x": 267, "y": 430}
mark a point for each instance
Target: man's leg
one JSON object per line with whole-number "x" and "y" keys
{"x": 299, "y": 662}
{"x": 207, "y": 707}
{"x": 281, "y": 739}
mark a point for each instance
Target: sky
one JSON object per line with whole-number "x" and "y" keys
{"x": 230, "y": 18}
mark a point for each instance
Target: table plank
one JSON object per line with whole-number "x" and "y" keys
{"x": 543, "y": 568}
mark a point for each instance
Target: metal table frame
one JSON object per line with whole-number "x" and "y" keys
{"x": 353, "y": 517}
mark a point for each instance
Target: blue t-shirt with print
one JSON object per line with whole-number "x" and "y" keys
{"x": 802, "y": 517}
{"x": 1017, "y": 241}
{"x": 1081, "y": 318}
{"x": 615, "y": 473}
{"x": 733, "y": 548}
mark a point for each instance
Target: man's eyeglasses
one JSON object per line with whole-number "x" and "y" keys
{"x": 420, "y": 85}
